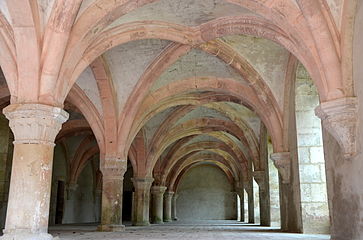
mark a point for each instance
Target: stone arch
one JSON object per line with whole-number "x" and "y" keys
{"x": 192, "y": 149}
{"x": 174, "y": 182}
{"x": 189, "y": 128}
{"x": 79, "y": 99}
{"x": 8, "y": 55}
{"x": 236, "y": 90}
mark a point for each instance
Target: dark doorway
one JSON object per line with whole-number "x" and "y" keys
{"x": 60, "y": 203}
{"x": 127, "y": 206}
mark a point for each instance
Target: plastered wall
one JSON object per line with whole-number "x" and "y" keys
{"x": 80, "y": 206}
{"x": 205, "y": 194}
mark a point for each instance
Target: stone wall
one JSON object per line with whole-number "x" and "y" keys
{"x": 206, "y": 194}
{"x": 314, "y": 203}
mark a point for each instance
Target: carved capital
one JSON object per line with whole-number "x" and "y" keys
{"x": 35, "y": 123}
{"x": 168, "y": 195}
{"x": 259, "y": 176}
{"x": 339, "y": 118}
{"x": 238, "y": 186}
{"x": 282, "y": 162}
{"x": 142, "y": 183}
{"x": 155, "y": 190}
{"x": 113, "y": 168}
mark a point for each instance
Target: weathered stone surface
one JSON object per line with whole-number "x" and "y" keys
{"x": 282, "y": 162}
{"x": 339, "y": 118}
{"x": 141, "y": 201}
{"x": 35, "y": 127}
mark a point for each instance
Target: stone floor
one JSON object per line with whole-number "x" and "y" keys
{"x": 221, "y": 230}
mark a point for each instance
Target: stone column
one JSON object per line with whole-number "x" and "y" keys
{"x": 251, "y": 202}
{"x": 168, "y": 197}
{"x": 343, "y": 140}
{"x": 157, "y": 203}
{"x": 35, "y": 127}
{"x": 141, "y": 201}
{"x": 173, "y": 207}
{"x": 290, "y": 209}
{"x": 262, "y": 178}
{"x": 112, "y": 192}
{"x": 241, "y": 195}
{"x": 265, "y": 217}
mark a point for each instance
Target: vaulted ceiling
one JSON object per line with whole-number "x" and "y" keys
{"x": 169, "y": 83}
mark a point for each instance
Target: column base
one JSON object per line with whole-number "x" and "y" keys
{"x": 157, "y": 222}
{"x": 175, "y": 219}
{"x": 168, "y": 220}
{"x": 110, "y": 228}
{"x": 27, "y": 236}
{"x": 146, "y": 223}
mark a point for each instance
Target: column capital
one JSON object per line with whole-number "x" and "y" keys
{"x": 35, "y": 123}
{"x": 142, "y": 183}
{"x": 168, "y": 194}
{"x": 339, "y": 118}
{"x": 113, "y": 168}
{"x": 282, "y": 161}
{"x": 158, "y": 189}
{"x": 259, "y": 176}
{"x": 248, "y": 188}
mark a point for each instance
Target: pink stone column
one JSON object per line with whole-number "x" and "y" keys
{"x": 35, "y": 127}
{"x": 157, "y": 203}
{"x": 141, "y": 201}
{"x": 168, "y": 197}
{"x": 112, "y": 193}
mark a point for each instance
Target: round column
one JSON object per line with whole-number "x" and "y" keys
{"x": 168, "y": 197}
{"x": 112, "y": 194}
{"x": 141, "y": 201}
{"x": 241, "y": 195}
{"x": 173, "y": 207}
{"x": 157, "y": 203}
{"x": 35, "y": 127}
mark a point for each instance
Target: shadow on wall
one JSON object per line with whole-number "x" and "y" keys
{"x": 206, "y": 194}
